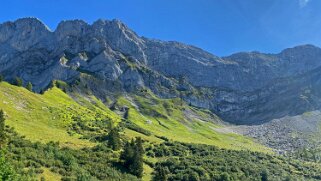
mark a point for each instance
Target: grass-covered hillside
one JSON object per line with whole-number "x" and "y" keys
{"x": 47, "y": 117}
{"x": 54, "y": 115}
{"x": 54, "y": 136}
{"x": 175, "y": 120}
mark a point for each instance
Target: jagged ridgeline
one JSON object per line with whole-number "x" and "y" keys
{"x": 107, "y": 58}
{"x": 98, "y": 102}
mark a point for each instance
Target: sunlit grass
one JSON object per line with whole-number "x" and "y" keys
{"x": 46, "y": 117}
{"x": 48, "y": 175}
{"x": 172, "y": 123}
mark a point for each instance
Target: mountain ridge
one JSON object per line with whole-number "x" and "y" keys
{"x": 109, "y": 58}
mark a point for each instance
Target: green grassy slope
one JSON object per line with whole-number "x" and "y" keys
{"x": 47, "y": 118}
{"x": 173, "y": 119}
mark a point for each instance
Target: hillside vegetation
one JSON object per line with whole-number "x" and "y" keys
{"x": 46, "y": 117}
{"x": 54, "y": 115}
{"x": 52, "y": 136}
{"x": 175, "y": 120}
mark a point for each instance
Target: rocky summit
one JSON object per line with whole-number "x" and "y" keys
{"x": 108, "y": 58}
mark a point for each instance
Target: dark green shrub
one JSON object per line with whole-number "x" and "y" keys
{"x": 29, "y": 86}
{"x": 18, "y": 81}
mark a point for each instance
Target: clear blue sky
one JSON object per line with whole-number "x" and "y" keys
{"x": 221, "y": 27}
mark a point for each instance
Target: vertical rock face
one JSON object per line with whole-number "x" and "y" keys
{"x": 120, "y": 38}
{"x": 75, "y": 28}
{"x": 247, "y": 87}
{"x": 23, "y": 33}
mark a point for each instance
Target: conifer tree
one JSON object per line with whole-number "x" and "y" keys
{"x": 136, "y": 168}
{"x": 139, "y": 145}
{"x": 133, "y": 157}
{"x": 114, "y": 139}
{"x": 161, "y": 173}
{"x": 128, "y": 153}
{"x": 18, "y": 81}
{"x": 29, "y": 86}
{"x": 1, "y": 78}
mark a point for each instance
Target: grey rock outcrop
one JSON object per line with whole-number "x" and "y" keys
{"x": 247, "y": 87}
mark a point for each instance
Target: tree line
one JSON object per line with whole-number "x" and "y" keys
{"x": 17, "y": 81}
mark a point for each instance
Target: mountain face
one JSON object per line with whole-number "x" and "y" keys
{"x": 108, "y": 58}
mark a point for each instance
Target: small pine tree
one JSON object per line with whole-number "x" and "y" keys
{"x": 52, "y": 84}
{"x": 18, "y": 81}
{"x": 1, "y": 78}
{"x": 136, "y": 168}
{"x": 29, "y": 86}
{"x": 133, "y": 157}
{"x": 126, "y": 115}
{"x": 114, "y": 139}
{"x": 2, "y": 130}
{"x": 161, "y": 173}
{"x": 128, "y": 153}
{"x": 139, "y": 146}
